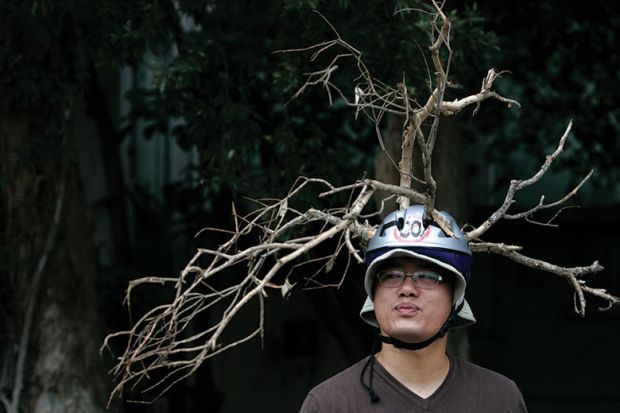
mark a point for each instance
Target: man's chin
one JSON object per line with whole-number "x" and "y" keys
{"x": 409, "y": 335}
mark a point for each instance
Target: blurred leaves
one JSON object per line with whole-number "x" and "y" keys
{"x": 564, "y": 65}
{"x": 213, "y": 70}
{"x": 232, "y": 92}
{"x": 46, "y": 48}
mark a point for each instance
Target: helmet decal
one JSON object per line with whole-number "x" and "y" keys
{"x": 412, "y": 231}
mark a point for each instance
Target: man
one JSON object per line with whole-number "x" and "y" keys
{"x": 415, "y": 279}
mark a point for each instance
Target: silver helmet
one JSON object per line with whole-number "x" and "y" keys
{"x": 403, "y": 234}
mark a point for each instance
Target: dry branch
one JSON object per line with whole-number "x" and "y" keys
{"x": 571, "y": 275}
{"x": 517, "y": 185}
{"x": 281, "y": 239}
{"x": 160, "y": 339}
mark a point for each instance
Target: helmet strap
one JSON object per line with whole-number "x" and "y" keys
{"x": 417, "y": 346}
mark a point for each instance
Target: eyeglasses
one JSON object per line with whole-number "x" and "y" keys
{"x": 426, "y": 280}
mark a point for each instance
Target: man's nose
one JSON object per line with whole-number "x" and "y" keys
{"x": 408, "y": 287}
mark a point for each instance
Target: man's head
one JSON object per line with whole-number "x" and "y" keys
{"x": 403, "y": 239}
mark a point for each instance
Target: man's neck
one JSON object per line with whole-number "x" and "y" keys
{"x": 421, "y": 371}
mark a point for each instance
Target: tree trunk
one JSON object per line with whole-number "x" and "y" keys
{"x": 52, "y": 348}
{"x": 450, "y": 172}
{"x": 386, "y": 165}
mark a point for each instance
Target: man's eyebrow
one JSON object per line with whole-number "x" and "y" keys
{"x": 434, "y": 268}
{"x": 391, "y": 265}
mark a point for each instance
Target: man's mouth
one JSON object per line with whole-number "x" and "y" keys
{"x": 406, "y": 308}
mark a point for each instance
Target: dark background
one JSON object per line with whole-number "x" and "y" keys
{"x": 157, "y": 115}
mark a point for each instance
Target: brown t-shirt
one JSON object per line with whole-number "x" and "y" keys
{"x": 468, "y": 388}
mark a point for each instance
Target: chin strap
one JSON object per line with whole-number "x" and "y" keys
{"x": 370, "y": 362}
{"x": 417, "y": 346}
{"x": 408, "y": 346}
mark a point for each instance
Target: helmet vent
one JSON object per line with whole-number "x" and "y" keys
{"x": 400, "y": 223}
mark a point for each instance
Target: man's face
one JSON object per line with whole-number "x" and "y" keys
{"x": 409, "y": 313}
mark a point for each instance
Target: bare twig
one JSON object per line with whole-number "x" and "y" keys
{"x": 158, "y": 338}
{"x": 279, "y": 238}
{"x": 517, "y": 185}
{"x": 572, "y": 275}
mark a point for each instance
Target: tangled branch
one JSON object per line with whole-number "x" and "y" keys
{"x": 268, "y": 248}
{"x": 160, "y": 341}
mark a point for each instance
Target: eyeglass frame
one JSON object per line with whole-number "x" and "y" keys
{"x": 415, "y": 276}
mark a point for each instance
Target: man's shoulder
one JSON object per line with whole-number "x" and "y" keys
{"x": 340, "y": 392}
{"x": 482, "y": 374}
{"x": 474, "y": 368}
{"x": 476, "y": 388}
{"x": 344, "y": 378}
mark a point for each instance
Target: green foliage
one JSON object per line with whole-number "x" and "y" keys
{"x": 232, "y": 92}
{"x": 564, "y": 66}
{"x": 214, "y": 70}
{"x": 47, "y": 47}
